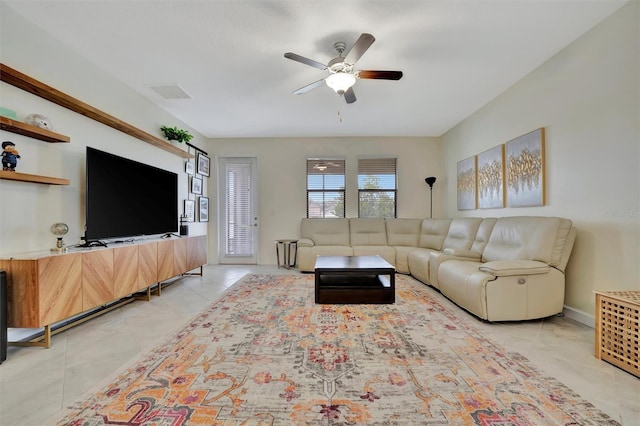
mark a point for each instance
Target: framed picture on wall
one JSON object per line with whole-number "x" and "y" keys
{"x": 190, "y": 210}
{"x": 196, "y": 185}
{"x": 491, "y": 178}
{"x": 203, "y": 215}
{"x": 524, "y": 170}
{"x": 467, "y": 184}
{"x": 202, "y": 164}
{"x": 189, "y": 168}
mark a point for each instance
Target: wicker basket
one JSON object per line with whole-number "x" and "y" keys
{"x": 618, "y": 328}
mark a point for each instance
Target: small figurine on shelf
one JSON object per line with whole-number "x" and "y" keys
{"x": 39, "y": 120}
{"x": 9, "y": 156}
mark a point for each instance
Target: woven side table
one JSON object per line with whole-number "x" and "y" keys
{"x": 618, "y": 328}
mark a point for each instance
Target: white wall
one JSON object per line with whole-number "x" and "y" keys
{"x": 586, "y": 97}
{"x": 282, "y": 179}
{"x": 29, "y": 209}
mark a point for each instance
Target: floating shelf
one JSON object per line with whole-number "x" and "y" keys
{"x": 32, "y": 131}
{"x": 24, "y": 82}
{"x": 24, "y": 177}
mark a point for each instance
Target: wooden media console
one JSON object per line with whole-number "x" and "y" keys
{"x": 46, "y": 288}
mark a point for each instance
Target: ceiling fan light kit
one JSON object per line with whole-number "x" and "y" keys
{"x": 342, "y": 75}
{"x": 340, "y": 82}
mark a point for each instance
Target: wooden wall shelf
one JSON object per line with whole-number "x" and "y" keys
{"x": 24, "y": 82}
{"x": 24, "y": 177}
{"x": 32, "y": 131}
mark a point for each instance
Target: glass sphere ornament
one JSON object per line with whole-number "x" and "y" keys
{"x": 59, "y": 230}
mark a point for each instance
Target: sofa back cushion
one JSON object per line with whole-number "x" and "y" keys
{"x": 368, "y": 232}
{"x": 462, "y": 233}
{"x": 433, "y": 232}
{"x": 483, "y": 234}
{"x": 326, "y": 232}
{"x": 531, "y": 238}
{"x": 403, "y": 232}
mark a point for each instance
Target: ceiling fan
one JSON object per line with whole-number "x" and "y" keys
{"x": 342, "y": 75}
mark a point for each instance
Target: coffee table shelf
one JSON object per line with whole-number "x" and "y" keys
{"x": 354, "y": 280}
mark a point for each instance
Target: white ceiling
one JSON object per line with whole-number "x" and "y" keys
{"x": 228, "y": 55}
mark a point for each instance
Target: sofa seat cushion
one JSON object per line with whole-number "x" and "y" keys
{"x": 463, "y": 282}
{"x": 386, "y": 252}
{"x": 501, "y": 298}
{"x": 402, "y": 262}
{"x": 418, "y": 260}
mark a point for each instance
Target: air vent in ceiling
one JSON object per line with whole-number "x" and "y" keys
{"x": 170, "y": 91}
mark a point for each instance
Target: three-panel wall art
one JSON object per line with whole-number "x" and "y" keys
{"x": 508, "y": 175}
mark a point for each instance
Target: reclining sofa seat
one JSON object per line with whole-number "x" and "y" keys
{"x": 520, "y": 275}
{"x": 322, "y": 237}
{"x": 369, "y": 238}
{"x": 403, "y": 235}
{"x": 454, "y": 250}
{"x": 458, "y": 234}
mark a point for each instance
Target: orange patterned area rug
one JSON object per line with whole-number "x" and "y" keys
{"x": 265, "y": 354}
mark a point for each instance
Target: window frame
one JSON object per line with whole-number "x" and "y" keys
{"x": 381, "y": 165}
{"x": 334, "y": 166}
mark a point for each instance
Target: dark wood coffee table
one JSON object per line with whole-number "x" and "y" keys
{"x": 354, "y": 279}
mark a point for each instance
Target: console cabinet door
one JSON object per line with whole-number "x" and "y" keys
{"x": 196, "y": 252}
{"x": 147, "y": 265}
{"x": 125, "y": 271}
{"x": 60, "y": 287}
{"x": 44, "y": 291}
{"x": 165, "y": 260}
{"x": 179, "y": 256}
{"x": 97, "y": 278}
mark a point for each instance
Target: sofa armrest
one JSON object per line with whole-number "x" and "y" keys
{"x": 305, "y": 242}
{"x": 506, "y": 268}
{"x": 469, "y": 254}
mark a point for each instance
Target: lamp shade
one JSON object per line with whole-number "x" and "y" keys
{"x": 430, "y": 181}
{"x": 340, "y": 81}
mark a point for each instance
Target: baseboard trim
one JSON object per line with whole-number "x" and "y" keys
{"x": 580, "y": 316}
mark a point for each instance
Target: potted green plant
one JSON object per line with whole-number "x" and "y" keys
{"x": 175, "y": 134}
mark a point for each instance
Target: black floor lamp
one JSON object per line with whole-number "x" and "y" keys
{"x": 430, "y": 181}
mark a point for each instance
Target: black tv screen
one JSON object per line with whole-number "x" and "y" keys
{"x": 126, "y": 198}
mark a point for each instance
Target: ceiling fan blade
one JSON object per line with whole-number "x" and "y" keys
{"x": 380, "y": 75}
{"x": 309, "y": 87}
{"x": 359, "y": 47}
{"x": 304, "y": 60}
{"x": 350, "y": 95}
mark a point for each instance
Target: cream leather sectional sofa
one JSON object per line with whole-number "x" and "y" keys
{"x": 499, "y": 269}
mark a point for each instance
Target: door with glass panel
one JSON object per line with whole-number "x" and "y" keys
{"x": 238, "y": 224}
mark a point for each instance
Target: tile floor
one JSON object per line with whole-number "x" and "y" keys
{"x": 36, "y": 383}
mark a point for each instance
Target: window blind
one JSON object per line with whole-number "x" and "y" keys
{"x": 239, "y": 221}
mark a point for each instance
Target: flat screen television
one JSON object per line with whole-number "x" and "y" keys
{"x": 125, "y": 198}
